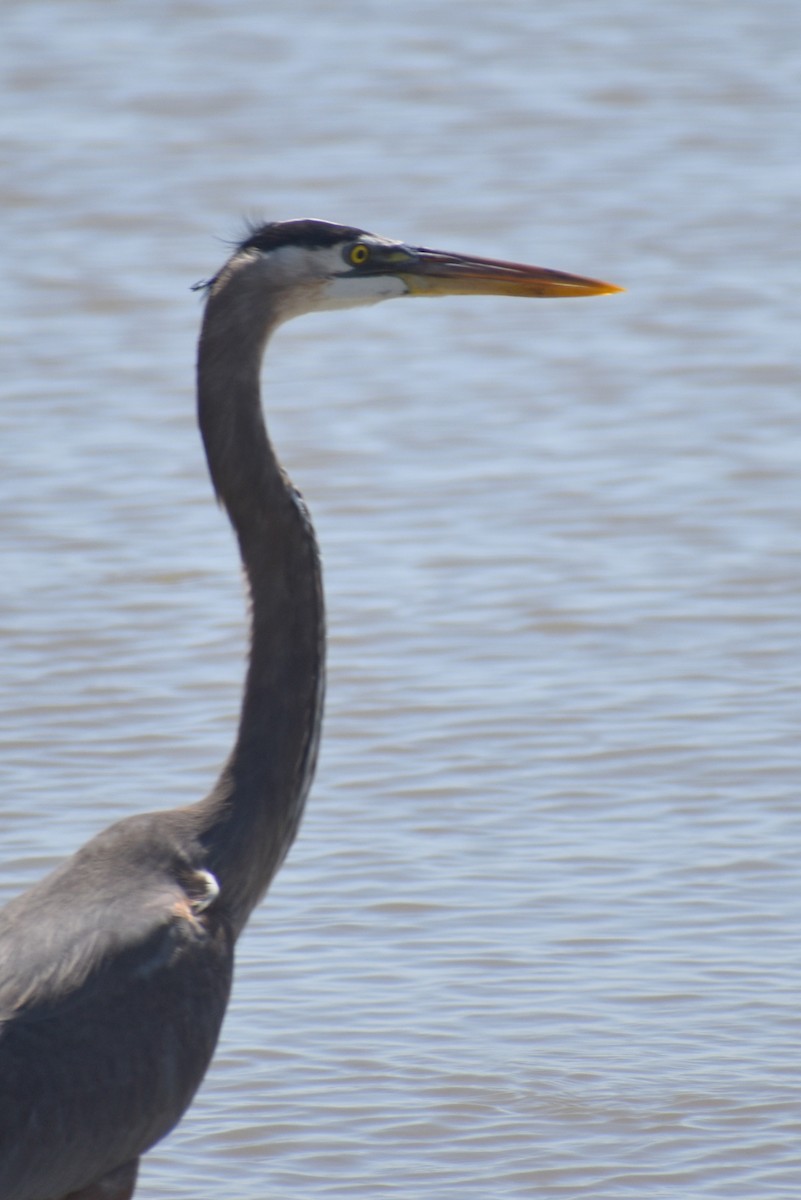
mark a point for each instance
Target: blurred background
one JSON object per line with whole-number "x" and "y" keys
{"x": 539, "y": 933}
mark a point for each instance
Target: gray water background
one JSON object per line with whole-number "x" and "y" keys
{"x": 539, "y": 936}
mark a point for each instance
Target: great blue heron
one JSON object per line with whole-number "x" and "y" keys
{"x": 115, "y": 969}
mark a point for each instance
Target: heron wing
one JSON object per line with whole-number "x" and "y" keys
{"x": 51, "y": 961}
{"x": 107, "y": 919}
{"x": 110, "y": 1007}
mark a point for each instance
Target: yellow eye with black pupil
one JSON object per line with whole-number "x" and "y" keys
{"x": 359, "y": 255}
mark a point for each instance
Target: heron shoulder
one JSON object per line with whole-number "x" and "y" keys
{"x": 112, "y": 917}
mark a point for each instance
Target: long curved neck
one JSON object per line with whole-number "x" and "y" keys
{"x": 250, "y": 819}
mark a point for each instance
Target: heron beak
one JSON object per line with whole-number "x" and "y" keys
{"x": 437, "y": 273}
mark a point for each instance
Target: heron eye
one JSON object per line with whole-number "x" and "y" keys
{"x": 359, "y": 254}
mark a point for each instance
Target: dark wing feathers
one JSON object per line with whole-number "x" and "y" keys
{"x": 111, "y": 999}
{"x": 90, "y": 951}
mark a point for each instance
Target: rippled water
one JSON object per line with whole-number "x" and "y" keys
{"x": 539, "y": 935}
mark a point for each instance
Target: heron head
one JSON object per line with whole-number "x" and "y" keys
{"x": 310, "y": 266}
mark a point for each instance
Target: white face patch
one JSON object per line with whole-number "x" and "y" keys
{"x": 354, "y": 290}
{"x": 315, "y": 279}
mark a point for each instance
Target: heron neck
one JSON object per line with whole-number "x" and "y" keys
{"x": 250, "y": 819}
